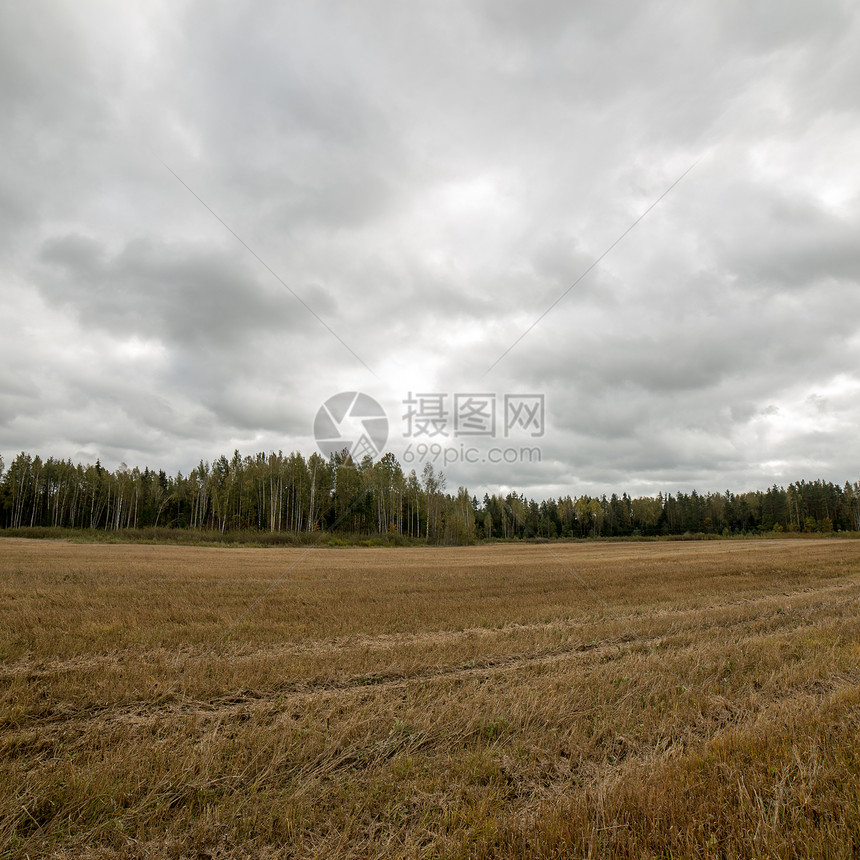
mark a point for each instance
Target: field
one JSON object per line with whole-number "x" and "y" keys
{"x": 695, "y": 699}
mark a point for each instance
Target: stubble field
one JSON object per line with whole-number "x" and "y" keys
{"x": 536, "y": 701}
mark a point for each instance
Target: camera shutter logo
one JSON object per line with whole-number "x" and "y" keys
{"x": 354, "y": 421}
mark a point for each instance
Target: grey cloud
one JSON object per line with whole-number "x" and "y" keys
{"x": 788, "y": 243}
{"x": 429, "y": 179}
{"x": 773, "y": 25}
{"x": 157, "y": 290}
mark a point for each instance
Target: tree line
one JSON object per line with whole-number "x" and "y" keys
{"x": 290, "y": 493}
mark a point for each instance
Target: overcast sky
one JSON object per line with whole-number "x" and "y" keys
{"x": 417, "y": 183}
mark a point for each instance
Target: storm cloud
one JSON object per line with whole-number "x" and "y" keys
{"x": 215, "y": 216}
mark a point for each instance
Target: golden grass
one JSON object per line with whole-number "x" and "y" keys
{"x": 573, "y": 700}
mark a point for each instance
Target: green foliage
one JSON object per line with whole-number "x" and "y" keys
{"x": 278, "y": 499}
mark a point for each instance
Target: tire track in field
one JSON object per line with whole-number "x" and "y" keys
{"x": 278, "y": 703}
{"x": 38, "y": 669}
{"x": 240, "y": 703}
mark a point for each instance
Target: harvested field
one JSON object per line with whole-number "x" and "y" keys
{"x": 690, "y": 699}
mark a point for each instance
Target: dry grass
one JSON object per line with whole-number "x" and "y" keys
{"x": 594, "y": 700}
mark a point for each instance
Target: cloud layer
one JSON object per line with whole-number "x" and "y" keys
{"x": 215, "y": 216}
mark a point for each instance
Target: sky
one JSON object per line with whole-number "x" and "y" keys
{"x": 644, "y": 216}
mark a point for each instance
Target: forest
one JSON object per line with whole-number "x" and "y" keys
{"x": 293, "y": 494}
